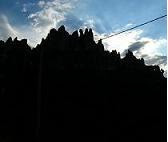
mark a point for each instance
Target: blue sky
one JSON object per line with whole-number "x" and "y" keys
{"x": 34, "y": 18}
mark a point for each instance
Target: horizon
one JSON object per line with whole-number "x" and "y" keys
{"x": 33, "y": 20}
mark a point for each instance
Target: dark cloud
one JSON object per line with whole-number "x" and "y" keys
{"x": 158, "y": 60}
{"x": 144, "y": 56}
{"x": 137, "y": 45}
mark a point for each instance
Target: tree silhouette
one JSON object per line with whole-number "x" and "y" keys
{"x": 82, "y": 91}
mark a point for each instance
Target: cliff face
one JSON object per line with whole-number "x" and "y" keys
{"x": 70, "y": 88}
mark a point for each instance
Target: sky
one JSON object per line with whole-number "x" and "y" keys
{"x": 34, "y": 18}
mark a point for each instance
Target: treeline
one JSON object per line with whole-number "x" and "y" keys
{"x": 70, "y": 88}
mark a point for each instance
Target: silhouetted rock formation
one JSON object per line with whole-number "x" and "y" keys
{"x": 83, "y": 93}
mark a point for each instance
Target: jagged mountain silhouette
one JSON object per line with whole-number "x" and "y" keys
{"x": 69, "y": 88}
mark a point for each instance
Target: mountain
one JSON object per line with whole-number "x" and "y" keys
{"x": 70, "y": 88}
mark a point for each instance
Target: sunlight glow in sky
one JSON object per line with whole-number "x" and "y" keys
{"x": 34, "y": 18}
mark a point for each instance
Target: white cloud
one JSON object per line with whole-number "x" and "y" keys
{"x": 24, "y": 9}
{"x": 6, "y": 30}
{"x": 51, "y": 13}
{"x": 41, "y": 4}
{"x": 122, "y": 41}
{"x": 27, "y": 6}
{"x": 129, "y": 25}
{"x": 154, "y": 46}
{"x": 88, "y": 23}
{"x": 153, "y": 49}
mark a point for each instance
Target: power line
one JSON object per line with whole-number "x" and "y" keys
{"x": 135, "y": 27}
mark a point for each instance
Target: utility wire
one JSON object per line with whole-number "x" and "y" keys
{"x": 135, "y": 27}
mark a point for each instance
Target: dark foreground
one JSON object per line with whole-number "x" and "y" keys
{"x": 69, "y": 89}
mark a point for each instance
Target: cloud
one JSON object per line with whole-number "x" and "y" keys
{"x": 137, "y": 45}
{"x": 27, "y": 6}
{"x": 24, "y": 9}
{"x": 154, "y": 46}
{"x": 121, "y": 42}
{"x": 48, "y": 14}
{"x": 156, "y": 60}
{"x": 6, "y": 30}
{"x": 41, "y": 4}
{"x": 51, "y": 13}
{"x": 154, "y": 51}
{"x": 129, "y": 25}
{"x": 89, "y": 23}
{"x": 136, "y": 42}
